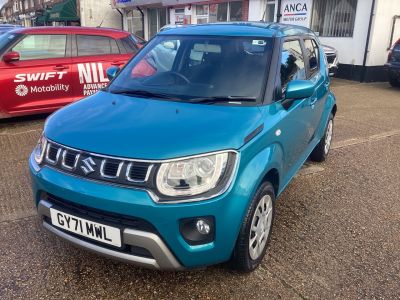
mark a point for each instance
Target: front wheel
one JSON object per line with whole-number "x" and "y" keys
{"x": 256, "y": 229}
{"x": 320, "y": 152}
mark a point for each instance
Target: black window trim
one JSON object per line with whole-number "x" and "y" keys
{"x": 75, "y": 45}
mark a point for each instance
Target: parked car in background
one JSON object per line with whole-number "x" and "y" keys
{"x": 179, "y": 161}
{"x": 7, "y": 27}
{"x": 45, "y": 68}
{"x": 393, "y": 65}
{"x": 332, "y": 59}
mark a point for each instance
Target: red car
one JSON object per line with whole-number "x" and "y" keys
{"x": 45, "y": 68}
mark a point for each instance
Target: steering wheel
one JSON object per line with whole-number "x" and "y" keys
{"x": 183, "y": 77}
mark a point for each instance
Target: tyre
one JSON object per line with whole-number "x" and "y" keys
{"x": 321, "y": 151}
{"x": 255, "y": 232}
{"x": 394, "y": 81}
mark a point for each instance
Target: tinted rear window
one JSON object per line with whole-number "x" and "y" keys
{"x": 96, "y": 45}
{"x": 129, "y": 45}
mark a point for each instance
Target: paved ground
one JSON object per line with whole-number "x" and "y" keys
{"x": 336, "y": 235}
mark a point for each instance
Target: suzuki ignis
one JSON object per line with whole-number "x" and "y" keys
{"x": 178, "y": 162}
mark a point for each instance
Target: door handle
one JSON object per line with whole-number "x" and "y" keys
{"x": 117, "y": 63}
{"x": 60, "y": 67}
{"x": 313, "y": 101}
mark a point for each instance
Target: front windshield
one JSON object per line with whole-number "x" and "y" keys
{"x": 192, "y": 67}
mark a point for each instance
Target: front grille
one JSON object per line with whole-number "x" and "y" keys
{"x": 70, "y": 158}
{"x": 96, "y": 215}
{"x": 52, "y": 152}
{"x": 98, "y": 167}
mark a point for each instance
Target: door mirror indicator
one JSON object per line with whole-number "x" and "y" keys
{"x": 298, "y": 89}
{"x": 112, "y": 72}
{"x": 11, "y": 56}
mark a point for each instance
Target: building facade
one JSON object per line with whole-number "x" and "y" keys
{"x": 62, "y": 12}
{"x": 361, "y": 30}
{"x": 146, "y": 17}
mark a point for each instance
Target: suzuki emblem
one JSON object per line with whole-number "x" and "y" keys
{"x": 88, "y": 164}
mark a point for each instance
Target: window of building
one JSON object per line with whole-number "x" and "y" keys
{"x": 96, "y": 45}
{"x": 292, "y": 63}
{"x": 221, "y": 12}
{"x": 134, "y": 22}
{"x": 334, "y": 18}
{"x": 269, "y": 15}
{"x": 157, "y": 18}
{"x": 312, "y": 53}
{"x": 41, "y": 47}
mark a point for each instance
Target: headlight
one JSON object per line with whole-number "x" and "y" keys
{"x": 39, "y": 150}
{"x": 195, "y": 176}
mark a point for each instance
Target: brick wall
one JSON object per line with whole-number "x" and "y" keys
{"x": 245, "y": 12}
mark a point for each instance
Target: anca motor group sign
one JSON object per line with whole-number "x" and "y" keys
{"x": 296, "y": 12}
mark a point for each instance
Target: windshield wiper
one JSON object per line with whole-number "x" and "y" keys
{"x": 217, "y": 99}
{"x": 143, "y": 93}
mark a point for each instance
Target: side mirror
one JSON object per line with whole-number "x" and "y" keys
{"x": 11, "y": 56}
{"x": 112, "y": 72}
{"x": 298, "y": 89}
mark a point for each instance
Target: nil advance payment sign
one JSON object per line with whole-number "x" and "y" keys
{"x": 296, "y": 12}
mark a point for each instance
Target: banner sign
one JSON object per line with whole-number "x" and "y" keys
{"x": 296, "y": 12}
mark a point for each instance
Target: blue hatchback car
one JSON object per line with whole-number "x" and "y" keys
{"x": 179, "y": 161}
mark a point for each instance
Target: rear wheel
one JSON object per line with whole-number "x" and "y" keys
{"x": 394, "y": 81}
{"x": 256, "y": 229}
{"x": 321, "y": 151}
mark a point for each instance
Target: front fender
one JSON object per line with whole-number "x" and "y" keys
{"x": 254, "y": 168}
{"x": 329, "y": 104}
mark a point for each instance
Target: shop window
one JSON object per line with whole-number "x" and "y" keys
{"x": 270, "y": 12}
{"x": 334, "y": 18}
{"x": 157, "y": 19}
{"x": 235, "y": 11}
{"x": 221, "y": 12}
{"x": 135, "y": 23}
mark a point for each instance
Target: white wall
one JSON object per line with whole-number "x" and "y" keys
{"x": 93, "y": 12}
{"x": 256, "y": 9}
{"x": 381, "y": 29}
{"x": 351, "y": 50}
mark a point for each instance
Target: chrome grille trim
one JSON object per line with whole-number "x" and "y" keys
{"x": 123, "y": 166}
{"x": 128, "y": 171}
{"x": 48, "y": 159}
{"x": 64, "y": 165}
{"x": 103, "y": 165}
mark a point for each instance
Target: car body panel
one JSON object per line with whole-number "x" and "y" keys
{"x": 157, "y": 122}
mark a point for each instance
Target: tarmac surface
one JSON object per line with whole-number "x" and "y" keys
{"x": 336, "y": 234}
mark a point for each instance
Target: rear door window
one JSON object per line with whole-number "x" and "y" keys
{"x": 96, "y": 45}
{"x": 292, "y": 63}
{"x": 41, "y": 47}
{"x": 312, "y": 53}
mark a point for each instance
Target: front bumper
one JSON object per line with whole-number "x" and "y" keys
{"x": 168, "y": 248}
{"x": 162, "y": 258}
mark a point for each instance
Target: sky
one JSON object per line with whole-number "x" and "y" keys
{"x": 2, "y": 2}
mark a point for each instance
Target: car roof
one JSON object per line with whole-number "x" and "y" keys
{"x": 114, "y": 33}
{"x": 259, "y": 29}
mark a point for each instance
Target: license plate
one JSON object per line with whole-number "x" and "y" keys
{"x": 92, "y": 230}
